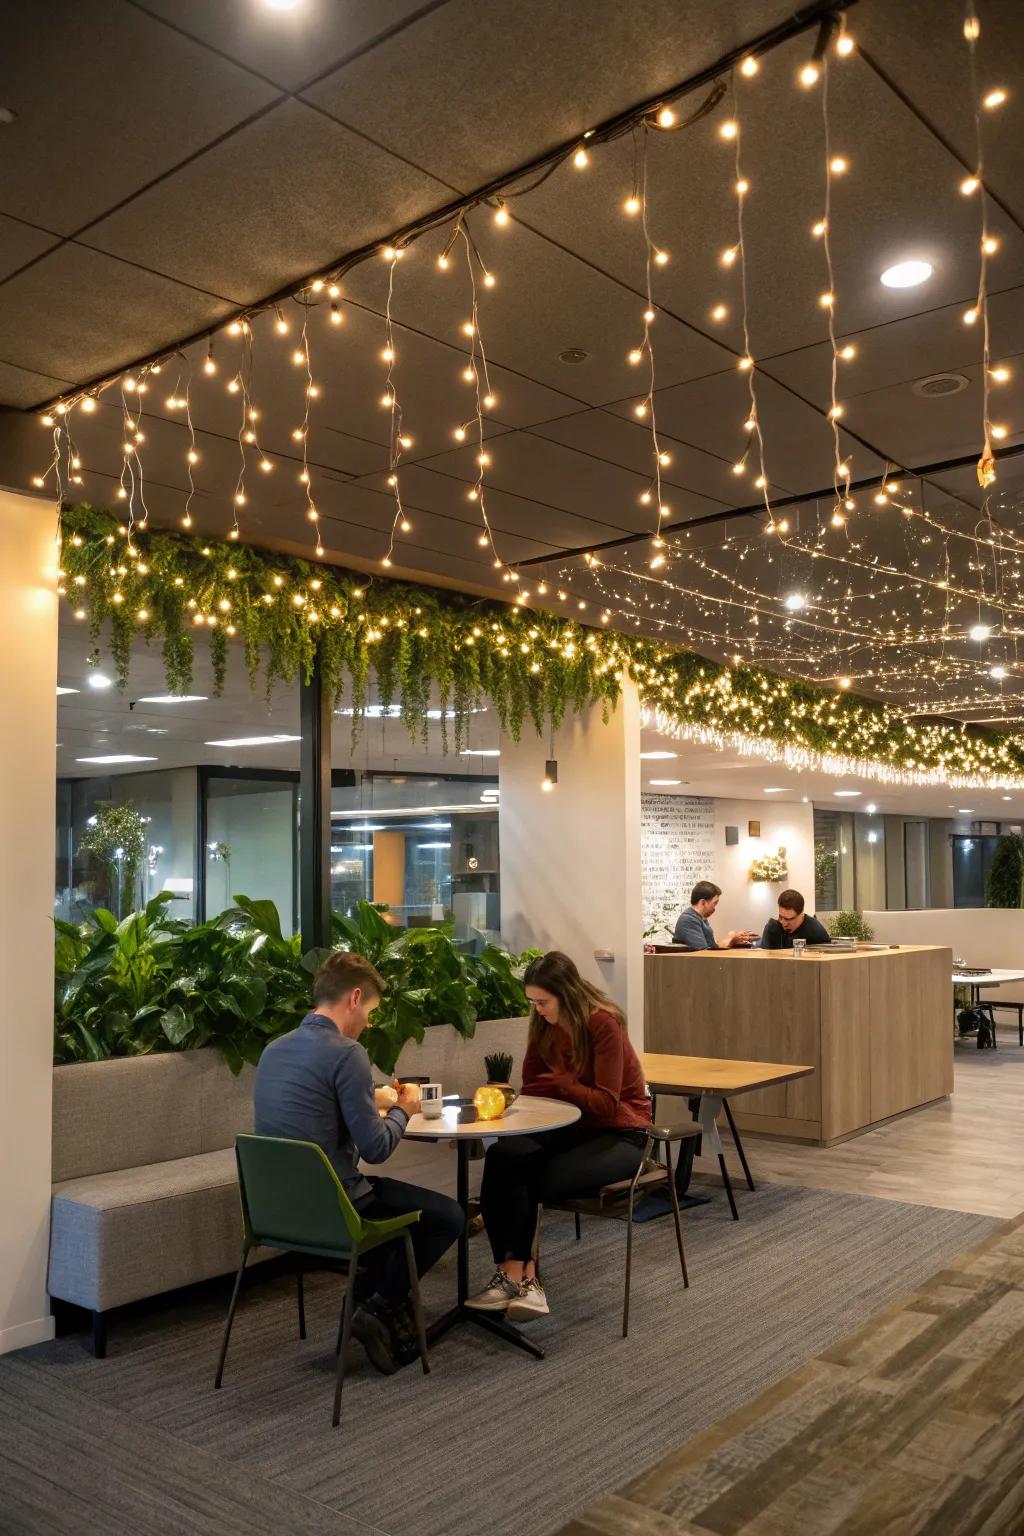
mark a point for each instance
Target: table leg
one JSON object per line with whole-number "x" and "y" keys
{"x": 707, "y": 1119}
{"x": 460, "y": 1313}
{"x": 739, "y": 1145}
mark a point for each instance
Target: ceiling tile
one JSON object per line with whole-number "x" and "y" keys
{"x": 470, "y": 94}
{"x": 23, "y": 389}
{"x": 65, "y": 314}
{"x": 106, "y": 101}
{"x": 21, "y": 243}
{"x": 287, "y": 46}
{"x": 304, "y": 190}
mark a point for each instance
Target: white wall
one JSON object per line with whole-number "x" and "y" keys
{"x": 28, "y": 681}
{"x": 991, "y": 936}
{"x": 570, "y": 859}
{"x": 744, "y": 903}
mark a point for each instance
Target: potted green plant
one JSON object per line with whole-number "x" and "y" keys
{"x": 850, "y": 925}
{"x": 499, "y": 1075}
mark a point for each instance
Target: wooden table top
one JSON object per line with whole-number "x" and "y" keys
{"x": 527, "y": 1116}
{"x": 710, "y": 1074}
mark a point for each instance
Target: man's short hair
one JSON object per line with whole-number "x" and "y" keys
{"x": 792, "y": 901}
{"x": 341, "y": 972}
{"x": 704, "y": 890}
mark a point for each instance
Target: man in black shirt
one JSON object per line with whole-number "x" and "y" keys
{"x": 793, "y": 923}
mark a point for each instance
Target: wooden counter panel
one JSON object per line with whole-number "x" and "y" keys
{"x": 845, "y": 1051}
{"x": 725, "y": 1005}
{"x": 911, "y": 999}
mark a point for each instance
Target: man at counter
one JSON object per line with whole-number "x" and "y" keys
{"x": 793, "y": 923}
{"x": 693, "y": 928}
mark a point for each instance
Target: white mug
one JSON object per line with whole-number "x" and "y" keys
{"x": 431, "y": 1105}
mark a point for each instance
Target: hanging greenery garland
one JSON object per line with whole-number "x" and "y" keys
{"x": 280, "y": 611}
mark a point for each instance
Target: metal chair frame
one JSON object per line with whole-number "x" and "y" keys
{"x": 650, "y": 1174}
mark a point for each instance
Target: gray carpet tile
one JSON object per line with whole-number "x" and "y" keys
{"x": 493, "y": 1439}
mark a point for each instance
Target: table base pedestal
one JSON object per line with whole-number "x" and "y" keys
{"x": 489, "y": 1322}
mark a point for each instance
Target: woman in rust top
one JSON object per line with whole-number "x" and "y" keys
{"x": 578, "y": 1051}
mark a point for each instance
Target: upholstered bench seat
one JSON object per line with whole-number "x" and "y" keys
{"x": 117, "y": 1236}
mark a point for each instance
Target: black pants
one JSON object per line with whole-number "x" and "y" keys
{"x": 523, "y": 1172}
{"x": 384, "y": 1269}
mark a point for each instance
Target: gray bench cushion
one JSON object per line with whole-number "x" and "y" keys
{"x": 116, "y": 1237}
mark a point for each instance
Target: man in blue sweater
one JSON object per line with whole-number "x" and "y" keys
{"x": 315, "y": 1084}
{"x": 693, "y": 927}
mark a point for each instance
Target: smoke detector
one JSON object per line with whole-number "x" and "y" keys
{"x": 574, "y": 355}
{"x": 937, "y": 384}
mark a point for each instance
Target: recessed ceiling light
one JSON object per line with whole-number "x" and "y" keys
{"x": 1007, "y": 797}
{"x": 61, "y": 690}
{"x": 997, "y": 672}
{"x": 651, "y": 757}
{"x": 252, "y": 741}
{"x": 665, "y": 781}
{"x": 980, "y": 631}
{"x": 794, "y": 602}
{"x": 480, "y": 752}
{"x": 871, "y": 807}
{"x": 847, "y": 794}
{"x": 116, "y": 757}
{"x": 776, "y": 790}
{"x": 964, "y": 810}
{"x": 907, "y": 274}
{"x": 98, "y": 680}
{"x": 173, "y": 698}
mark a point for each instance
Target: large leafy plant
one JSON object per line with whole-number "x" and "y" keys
{"x": 428, "y": 981}
{"x": 151, "y": 982}
{"x": 116, "y": 836}
{"x": 1004, "y": 884}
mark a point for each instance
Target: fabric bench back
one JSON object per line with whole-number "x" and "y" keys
{"x": 109, "y": 1115}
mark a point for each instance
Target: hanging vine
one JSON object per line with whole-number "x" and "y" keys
{"x": 420, "y": 646}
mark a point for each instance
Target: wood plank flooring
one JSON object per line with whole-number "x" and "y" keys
{"x": 965, "y": 1154}
{"x": 911, "y": 1426}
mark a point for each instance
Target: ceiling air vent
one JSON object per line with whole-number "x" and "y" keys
{"x": 940, "y": 384}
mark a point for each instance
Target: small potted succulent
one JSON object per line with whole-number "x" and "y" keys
{"x": 499, "y": 1071}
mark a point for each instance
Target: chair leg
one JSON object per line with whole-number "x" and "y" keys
{"x": 301, "y": 1296}
{"x": 728, "y": 1187}
{"x": 343, "y": 1337}
{"x": 230, "y": 1319}
{"x": 737, "y": 1143}
{"x": 99, "y": 1335}
{"x": 417, "y": 1303}
{"x": 675, "y": 1213}
{"x": 579, "y": 1234}
{"x": 629, "y": 1266}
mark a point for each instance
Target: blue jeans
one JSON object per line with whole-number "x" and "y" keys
{"x": 384, "y": 1269}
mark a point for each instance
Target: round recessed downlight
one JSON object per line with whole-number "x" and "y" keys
{"x": 907, "y": 274}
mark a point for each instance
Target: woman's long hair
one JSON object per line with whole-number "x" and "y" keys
{"x": 577, "y": 999}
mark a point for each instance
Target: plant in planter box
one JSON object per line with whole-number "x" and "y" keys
{"x": 850, "y": 925}
{"x": 428, "y": 982}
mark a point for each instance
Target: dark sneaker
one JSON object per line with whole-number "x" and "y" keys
{"x": 403, "y": 1334}
{"x": 372, "y": 1327}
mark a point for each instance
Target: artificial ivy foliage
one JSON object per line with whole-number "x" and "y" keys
{"x": 278, "y": 610}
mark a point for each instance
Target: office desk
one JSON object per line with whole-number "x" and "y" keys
{"x": 874, "y": 1024}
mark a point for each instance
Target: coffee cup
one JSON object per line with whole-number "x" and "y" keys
{"x": 431, "y": 1105}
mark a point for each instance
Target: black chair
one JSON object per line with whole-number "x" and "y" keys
{"x": 651, "y": 1175}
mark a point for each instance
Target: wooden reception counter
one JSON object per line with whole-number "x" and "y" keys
{"x": 876, "y": 1025}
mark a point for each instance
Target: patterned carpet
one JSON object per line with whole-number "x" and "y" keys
{"x": 491, "y": 1440}
{"x": 913, "y": 1424}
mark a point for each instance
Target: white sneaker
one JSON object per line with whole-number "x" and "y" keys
{"x": 496, "y": 1295}
{"x": 531, "y": 1302}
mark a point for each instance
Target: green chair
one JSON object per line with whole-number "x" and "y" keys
{"x": 293, "y": 1199}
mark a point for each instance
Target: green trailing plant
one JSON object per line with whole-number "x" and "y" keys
{"x": 1004, "y": 883}
{"x": 498, "y": 1067}
{"x": 116, "y": 836}
{"x": 849, "y": 925}
{"x": 152, "y": 983}
{"x": 825, "y": 865}
{"x": 278, "y": 612}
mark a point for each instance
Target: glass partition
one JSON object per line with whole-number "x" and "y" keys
{"x": 250, "y": 840}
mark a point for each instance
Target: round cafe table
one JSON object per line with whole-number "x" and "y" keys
{"x": 526, "y": 1117}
